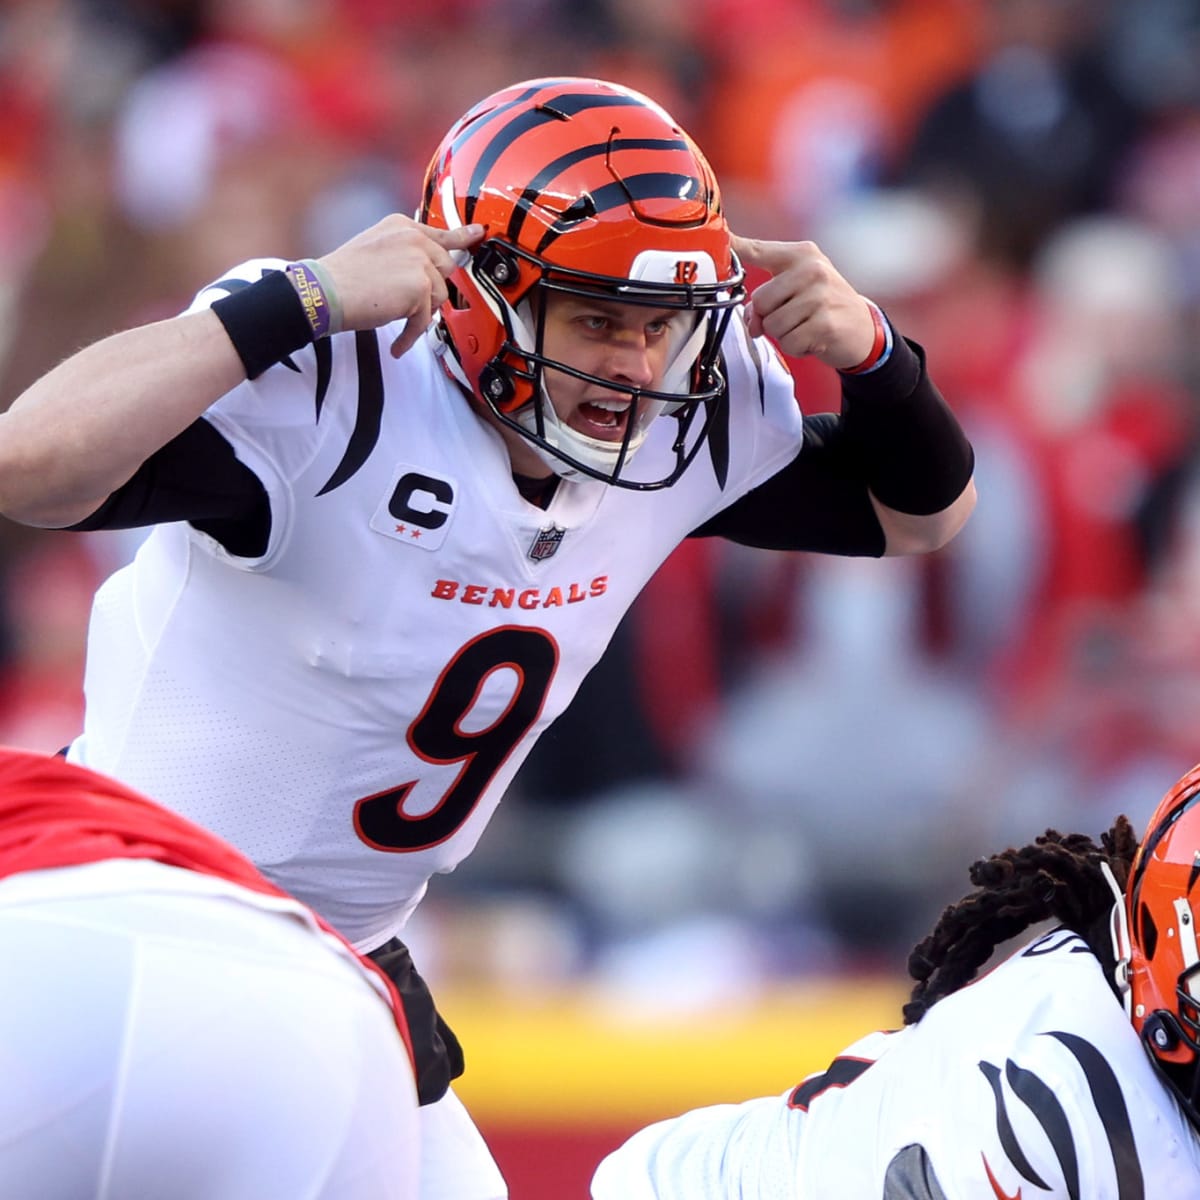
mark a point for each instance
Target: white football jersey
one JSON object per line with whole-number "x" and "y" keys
{"x": 349, "y": 708}
{"x": 1031, "y": 1082}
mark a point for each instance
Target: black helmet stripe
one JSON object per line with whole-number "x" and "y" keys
{"x": 1150, "y": 844}
{"x": 474, "y": 126}
{"x": 557, "y": 109}
{"x": 531, "y": 193}
{"x": 503, "y": 138}
{"x": 654, "y": 185}
{"x": 570, "y": 103}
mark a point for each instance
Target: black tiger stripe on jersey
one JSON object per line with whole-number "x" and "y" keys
{"x": 756, "y": 359}
{"x": 718, "y": 434}
{"x": 324, "y": 353}
{"x": 1113, "y": 1112}
{"x": 1040, "y": 1099}
{"x": 1008, "y": 1138}
{"x": 1055, "y": 940}
{"x": 532, "y": 192}
{"x": 369, "y": 414}
{"x": 355, "y": 454}
{"x": 841, "y": 1072}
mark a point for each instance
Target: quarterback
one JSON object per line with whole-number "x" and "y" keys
{"x": 402, "y": 495}
{"x": 1070, "y": 1070}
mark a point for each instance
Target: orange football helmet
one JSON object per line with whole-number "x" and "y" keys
{"x": 1161, "y": 910}
{"x": 586, "y": 188}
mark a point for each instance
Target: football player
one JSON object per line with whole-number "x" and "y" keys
{"x": 403, "y": 494}
{"x": 1071, "y": 1069}
{"x": 171, "y": 1024}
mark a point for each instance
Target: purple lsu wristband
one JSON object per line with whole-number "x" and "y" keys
{"x": 312, "y": 295}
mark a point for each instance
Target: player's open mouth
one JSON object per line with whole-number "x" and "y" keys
{"x": 604, "y": 420}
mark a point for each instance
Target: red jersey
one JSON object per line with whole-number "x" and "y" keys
{"x": 55, "y": 814}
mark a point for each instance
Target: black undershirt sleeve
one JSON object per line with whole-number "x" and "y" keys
{"x": 822, "y": 486}
{"x": 195, "y": 477}
{"x": 895, "y": 439}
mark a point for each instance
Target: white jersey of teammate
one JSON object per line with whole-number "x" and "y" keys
{"x": 376, "y": 677}
{"x": 1030, "y": 1082}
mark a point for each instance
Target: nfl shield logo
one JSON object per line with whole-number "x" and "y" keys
{"x": 546, "y": 543}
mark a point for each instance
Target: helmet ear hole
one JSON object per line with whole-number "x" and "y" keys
{"x": 1149, "y": 931}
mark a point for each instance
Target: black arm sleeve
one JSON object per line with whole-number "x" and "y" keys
{"x": 895, "y": 439}
{"x": 818, "y": 502}
{"x": 915, "y": 457}
{"x": 195, "y": 477}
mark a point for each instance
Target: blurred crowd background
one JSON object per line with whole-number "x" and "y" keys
{"x": 785, "y": 763}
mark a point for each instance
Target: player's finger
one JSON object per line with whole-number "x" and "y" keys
{"x": 439, "y": 293}
{"x": 416, "y": 324}
{"x": 770, "y": 256}
{"x": 753, "y": 320}
{"x": 456, "y": 241}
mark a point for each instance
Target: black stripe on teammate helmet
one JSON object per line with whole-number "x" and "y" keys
{"x": 654, "y": 185}
{"x": 555, "y": 108}
{"x": 1150, "y": 843}
{"x": 533, "y": 191}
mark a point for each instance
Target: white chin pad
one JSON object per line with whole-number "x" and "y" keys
{"x": 600, "y": 456}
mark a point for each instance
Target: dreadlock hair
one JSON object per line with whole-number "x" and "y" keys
{"x": 1057, "y": 877}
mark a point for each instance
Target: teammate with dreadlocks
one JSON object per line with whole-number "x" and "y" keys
{"x": 387, "y": 549}
{"x": 1072, "y": 1069}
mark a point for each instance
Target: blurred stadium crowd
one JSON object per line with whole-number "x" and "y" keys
{"x": 784, "y": 763}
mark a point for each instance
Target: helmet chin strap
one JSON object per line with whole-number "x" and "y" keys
{"x": 1118, "y": 926}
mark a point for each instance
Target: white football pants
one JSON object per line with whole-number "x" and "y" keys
{"x": 162, "y": 1038}
{"x": 455, "y": 1161}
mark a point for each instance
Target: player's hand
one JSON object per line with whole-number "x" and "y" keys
{"x": 806, "y": 307}
{"x": 396, "y": 268}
